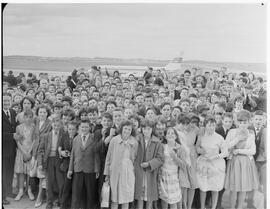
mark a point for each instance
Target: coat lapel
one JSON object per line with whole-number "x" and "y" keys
{"x": 5, "y": 116}
{"x": 89, "y": 141}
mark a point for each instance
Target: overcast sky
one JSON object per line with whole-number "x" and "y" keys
{"x": 212, "y": 32}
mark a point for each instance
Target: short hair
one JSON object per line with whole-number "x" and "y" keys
{"x": 183, "y": 119}
{"x": 69, "y": 112}
{"x": 92, "y": 110}
{"x": 187, "y": 71}
{"x": 259, "y": 112}
{"x": 215, "y": 71}
{"x": 118, "y": 109}
{"x": 221, "y": 104}
{"x": 73, "y": 123}
{"x": 164, "y": 104}
{"x": 227, "y": 115}
{"x": 59, "y": 92}
{"x": 30, "y": 99}
{"x": 161, "y": 119}
{"x": 243, "y": 115}
{"x": 67, "y": 99}
{"x": 28, "y": 113}
{"x": 151, "y": 108}
{"x": 107, "y": 115}
{"x": 147, "y": 123}
{"x": 209, "y": 119}
{"x": 40, "y": 91}
{"x": 184, "y": 100}
{"x": 82, "y": 110}
{"x": 127, "y": 123}
{"x": 193, "y": 95}
{"x": 111, "y": 102}
{"x": 46, "y": 107}
{"x": 136, "y": 117}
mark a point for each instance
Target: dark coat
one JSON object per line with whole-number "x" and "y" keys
{"x": 154, "y": 155}
{"x": 84, "y": 159}
{"x": 8, "y": 129}
{"x": 38, "y": 133}
{"x": 66, "y": 145}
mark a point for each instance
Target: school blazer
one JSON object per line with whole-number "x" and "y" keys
{"x": 45, "y": 147}
{"x": 84, "y": 159}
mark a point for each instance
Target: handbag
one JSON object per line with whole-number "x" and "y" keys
{"x": 105, "y": 195}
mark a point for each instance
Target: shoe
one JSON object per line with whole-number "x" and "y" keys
{"x": 19, "y": 196}
{"x": 5, "y": 202}
{"x": 38, "y": 204}
{"x": 30, "y": 195}
{"x": 49, "y": 206}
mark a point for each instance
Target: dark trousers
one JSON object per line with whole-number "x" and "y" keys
{"x": 54, "y": 179}
{"x": 67, "y": 193}
{"x": 7, "y": 175}
{"x": 84, "y": 191}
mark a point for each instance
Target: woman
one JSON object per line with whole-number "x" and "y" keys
{"x": 210, "y": 164}
{"x": 42, "y": 126}
{"x": 27, "y": 103}
{"x": 119, "y": 166}
{"x": 241, "y": 176}
{"x": 149, "y": 159}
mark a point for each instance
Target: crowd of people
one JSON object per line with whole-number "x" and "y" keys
{"x": 161, "y": 140}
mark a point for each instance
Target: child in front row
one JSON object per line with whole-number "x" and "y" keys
{"x": 64, "y": 150}
{"x": 168, "y": 181}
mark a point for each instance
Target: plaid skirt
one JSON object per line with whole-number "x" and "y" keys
{"x": 169, "y": 186}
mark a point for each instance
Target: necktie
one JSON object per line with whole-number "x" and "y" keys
{"x": 8, "y": 116}
{"x": 84, "y": 140}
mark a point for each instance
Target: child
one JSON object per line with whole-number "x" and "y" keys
{"x": 85, "y": 167}
{"x": 223, "y": 129}
{"x": 187, "y": 174}
{"x": 241, "y": 176}
{"x": 51, "y": 163}
{"x": 149, "y": 159}
{"x": 119, "y": 166}
{"x": 24, "y": 138}
{"x": 168, "y": 181}
{"x": 65, "y": 147}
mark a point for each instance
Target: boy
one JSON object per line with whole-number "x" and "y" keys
{"x": 84, "y": 166}
{"x": 223, "y": 129}
{"x": 64, "y": 150}
{"x": 51, "y": 163}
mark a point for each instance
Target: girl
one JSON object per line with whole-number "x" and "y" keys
{"x": 24, "y": 138}
{"x": 168, "y": 181}
{"x": 42, "y": 126}
{"x": 149, "y": 159}
{"x": 241, "y": 175}
{"x": 187, "y": 174}
{"x": 210, "y": 163}
{"x": 27, "y": 103}
{"x": 119, "y": 166}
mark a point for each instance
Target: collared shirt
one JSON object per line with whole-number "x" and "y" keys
{"x": 84, "y": 139}
{"x": 41, "y": 124}
{"x": 7, "y": 112}
{"x": 54, "y": 143}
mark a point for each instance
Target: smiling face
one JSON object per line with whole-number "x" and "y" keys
{"x": 210, "y": 127}
{"x": 166, "y": 111}
{"x": 84, "y": 128}
{"x": 42, "y": 114}
{"x": 147, "y": 131}
{"x": 170, "y": 135}
{"x": 126, "y": 131}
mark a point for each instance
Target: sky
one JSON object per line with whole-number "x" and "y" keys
{"x": 210, "y": 32}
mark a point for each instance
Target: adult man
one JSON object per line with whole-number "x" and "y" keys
{"x": 9, "y": 146}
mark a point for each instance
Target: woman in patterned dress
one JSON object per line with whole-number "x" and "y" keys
{"x": 168, "y": 181}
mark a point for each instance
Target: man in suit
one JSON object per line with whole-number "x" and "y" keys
{"x": 51, "y": 161}
{"x": 8, "y": 146}
{"x": 85, "y": 167}
{"x": 223, "y": 129}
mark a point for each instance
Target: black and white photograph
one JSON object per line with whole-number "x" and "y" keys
{"x": 159, "y": 105}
